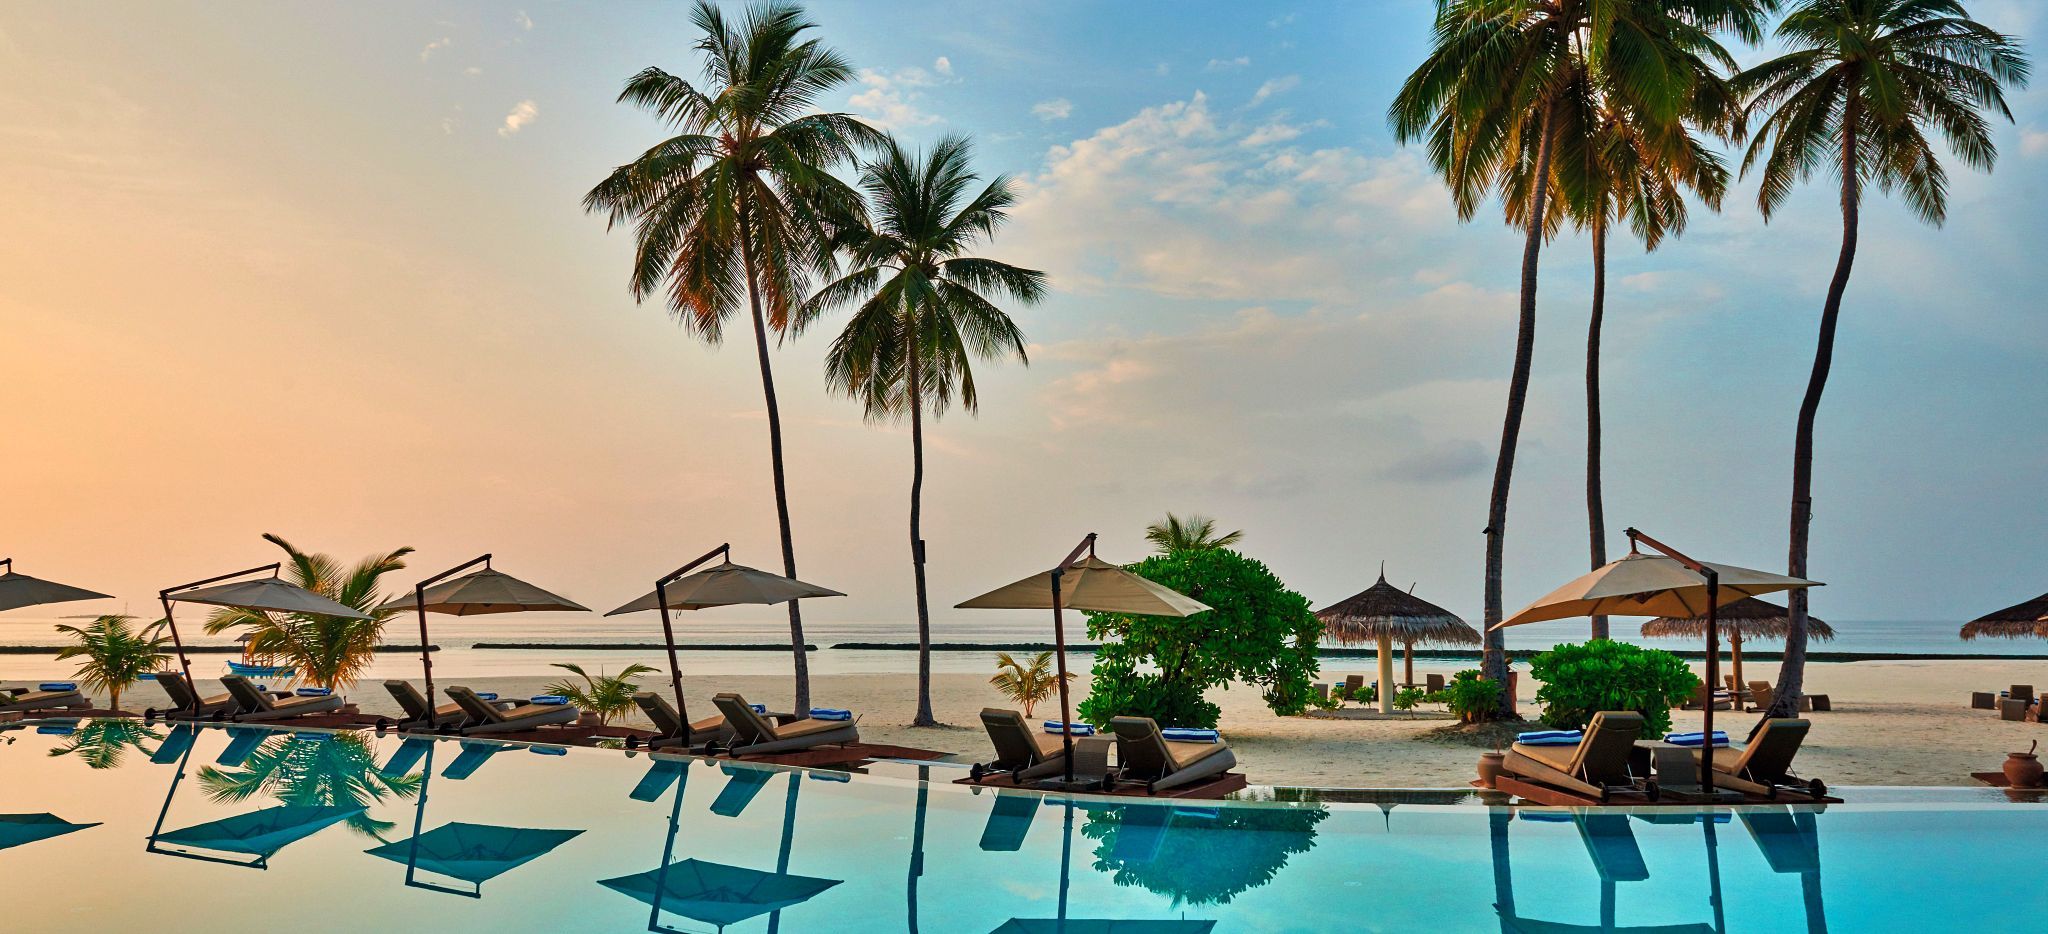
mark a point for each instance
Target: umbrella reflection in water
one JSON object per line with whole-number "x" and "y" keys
{"x": 472, "y": 853}
{"x": 22, "y": 829}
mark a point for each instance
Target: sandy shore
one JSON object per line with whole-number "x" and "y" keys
{"x": 1894, "y": 723}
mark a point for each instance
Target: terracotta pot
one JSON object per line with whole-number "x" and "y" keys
{"x": 2023, "y": 770}
{"x": 1490, "y": 767}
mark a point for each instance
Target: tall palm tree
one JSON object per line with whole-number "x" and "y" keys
{"x": 314, "y": 769}
{"x": 1863, "y": 82}
{"x": 116, "y": 653}
{"x": 1194, "y": 533}
{"x": 331, "y": 651}
{"x": 730, "y": 207}
{"x": 1494, "y": 100}
{"x": 922, "y": 311}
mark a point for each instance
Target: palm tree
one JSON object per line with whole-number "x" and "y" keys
{"x": 922, "y": 311}
{"x": 103, "y": 743}
{"x": 1494, "y": 100}
{"x": 1026, "y": 683}
{"x": 730, "y": 206}
{"x": 337, "y": 769}
{"x": 331, "y": 651}
{"x": 116, "y": 653}
{"x": 1861, "y": 84}
{"x": 1194, "y": 533}
{"x": 601, "y": 694}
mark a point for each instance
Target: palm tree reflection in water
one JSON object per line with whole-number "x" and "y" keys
{"x": 334, "y": 769}
{"x": 104, "y": 743}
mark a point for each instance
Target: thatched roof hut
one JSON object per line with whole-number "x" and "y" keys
{"x": 1747, "y": 618}
{"x": 1383, "y": 615}
{"x": 2019, "y": 621}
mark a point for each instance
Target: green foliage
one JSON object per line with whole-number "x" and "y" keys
{"x": 1026, "y": 684}
{"x": 1194, "y": 533}
{"x": 335, "y": 770}
{"x": 103, "y": 743}
{"x": 330, "y": 651}
{"x": 1582, "y": 679}
{"x": 1470, "y": 696}
{"x": 1407, "y": 698}
{"x": 601, "y": 694}
{"x": 1258, "y": 632}
{"x": 1201, "y": 859}
{"x": 116, "y": 653}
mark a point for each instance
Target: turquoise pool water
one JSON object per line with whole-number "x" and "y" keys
{"x": 111, "y": 825}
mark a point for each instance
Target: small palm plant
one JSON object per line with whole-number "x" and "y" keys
{"x": 601, "y": 694}
{"x": 116, "y": 653}
{"x": 1026, "y": 684}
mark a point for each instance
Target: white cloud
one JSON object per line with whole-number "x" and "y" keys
{"x": 2034, "y": 142}
{"x": 447, "y": 126}
{"x": 1280, "y": 21}
{"x": 435, "y": 46}
{"x": 1270, "y": 133}
{"x": 891, "y": 100}
{"x": 1059, "y": 108}
{"x": 944, "y": 66}
{"x": 1274, "y": 86}
{"x": 472, "y": 71}
{"x": 1228, "y": 64}
{"x": 524, "y": 21}
{"x": 521, "y": 115}
{"x": 1162, "y": 69}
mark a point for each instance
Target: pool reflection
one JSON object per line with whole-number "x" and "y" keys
{"x": 466, "y": 852}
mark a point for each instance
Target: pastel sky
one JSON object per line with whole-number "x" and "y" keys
{"x": 320, "y": 269}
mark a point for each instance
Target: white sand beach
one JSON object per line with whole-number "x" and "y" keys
{"x": 1893, "y": 723}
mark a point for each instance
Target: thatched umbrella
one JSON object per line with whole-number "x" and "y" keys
{"x": 1385, "y": 614}
{"x": 2013, "y": 622}
{"x": 1747, "y": 618}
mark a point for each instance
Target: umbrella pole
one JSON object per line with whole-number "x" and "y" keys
{"x": 183, "y": 662}
{"x": 165, "y": 596}
{"x": 1059, "y": 638}
{"x": 419, "y": 602}
{"x": 668, "y": 632}
{"x": 1713, "y": 678}
{"x": 668, "y": 848}
{"x": 419, "y": 816}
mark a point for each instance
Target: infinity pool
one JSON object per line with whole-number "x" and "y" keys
{"x": 114, "y": 825}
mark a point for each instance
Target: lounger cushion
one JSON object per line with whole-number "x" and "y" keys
{"x": 1556, "y": 757}
{"x": 1187, "y": 754}
{"x": 530, "y": 710}
{"x": 807, "y": 727}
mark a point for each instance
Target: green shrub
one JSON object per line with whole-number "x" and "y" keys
{"x": 1580, "y": 680}
{"x": 1469, "y": 696}
{"x": 1119, "y": 690}
{"x": 1407, "y": 698}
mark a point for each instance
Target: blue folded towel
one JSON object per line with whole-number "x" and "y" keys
{"x": 1182, "y": 734}
{"x": 548, "y": 700}
{"x": 1551, "y": 737}
{"x": 547, "y": 750}
{"x": 1544, "y": 817}
{"x": 57, "y": 686}
{"x": 818, "y": 776}
{"x": 315, "y": 692}
{"x": 1694, "y": 738}
{"x": 1073, "y": 729}
{"x": 759, "y": 708}
{"x": 56, "y": 729}
{"x": 830, "y": 713}
{"x": 486, "y": 695}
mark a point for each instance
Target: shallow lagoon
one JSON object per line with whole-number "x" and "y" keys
{"x": 219, "y": 829}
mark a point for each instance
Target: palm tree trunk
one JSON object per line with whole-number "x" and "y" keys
{"x": 924, "y": 618}
{"x": 1792, "y": 673}
{"x": 796, "y": 620}
{"x": 1596, "y": 511}
{"x": 1494, "y": 658}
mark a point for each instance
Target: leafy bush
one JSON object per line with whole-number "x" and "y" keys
{"x": 1407, "y": 698}
{"x": 605, "y": 695}
{"x": 1469, "y": 696}
{"x": 1257, "y": 632}
{"x": 1580, "y": 680}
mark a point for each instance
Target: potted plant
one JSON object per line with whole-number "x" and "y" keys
{"x": 600, "y": 696}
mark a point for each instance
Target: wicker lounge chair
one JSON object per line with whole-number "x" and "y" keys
{"x": 186, "y": 704}
{"x": 753, "y": 734}
{"x": 1764, "y": 766}
{"x": 1144, "y": 755}
{"x": 671, "y": 729}
{"x": 1021, "y": 752}
{"x": 1597, "y": 766}
{"x": 254, "y": 705}
{"x": 23, "y": 700}
{"x": 486, "y": 717}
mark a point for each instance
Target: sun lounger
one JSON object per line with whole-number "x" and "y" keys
{"x": 1722, "y": 699}
{"x": 1764, "y": 766}
{"x": 662, "y": 773}
{"x": 408, "y": 755}
{"x": 1597, "y": 766}
{"x": 23, "y": 700}
{"x": 417, "y": 716}
{"x": 485, "y": 717}
{"x": 673, "y": 731}
{"x": 1009, "y": 820}
{"x": 186, "y": 704}
{"x": 742, "y": 784}
{"x": 473, "y": 756}
{"x": 2021, "y": 692}
{"x": 753, "y": 734}
{"x": 1432, "y": 684}
{"x": 175, "y": 745}
{"x": 1021, "y": 752}
{"x": 1760, "y": 695}
{"x": 254, "y": 705}
{"x": 1144, "y": 755}
{"x": 242, "y": 743}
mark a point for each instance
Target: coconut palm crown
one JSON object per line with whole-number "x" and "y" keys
{"x": 330, "y": 651}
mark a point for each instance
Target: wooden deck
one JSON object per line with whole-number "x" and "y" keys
{"x": 1217, "y": 787}
{"x": 1534, "y": 793}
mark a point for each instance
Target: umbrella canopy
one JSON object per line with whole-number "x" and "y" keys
{"x": 1747, "y": 618}
{"x": 269, "y": 593}
{"x": 2018, "y": 621}
{"x": 474, "y": 853}
{"x": 716, "y": 893}
{"x": 260, "y": 833}
{"x": 728, "y": 584}
{"x": 19, "y": 829}
{"x": 1090, "y": 584}
{"x": 1384, "y": 609}
{"x": 20, "y": 590}
{"x": 1649, "y": 585}
{"x": 486, "y": 591}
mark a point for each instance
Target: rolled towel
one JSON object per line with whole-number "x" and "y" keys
{"x": 547, "y": 700}
{"x": 759, "y": 708}
{"x": 315, "y": 692}
{"x": 819, "y": 776}
{"x": 1551, "y": 737}
{"x": 1182, "y": 734}
{"x": 547, "y": 750}
{"x": 56, "y": 729}
{"x": 1544, "y": 817}
{"x": 1073, "y": 729}
{"x": 486, "y": 695}
{"x": 830, "y": 713}
{"x": 57, "y": 686}
{"x": 1695, "y": 738}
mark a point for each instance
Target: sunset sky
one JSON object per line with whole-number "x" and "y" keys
{"x": 321, "y": 269}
